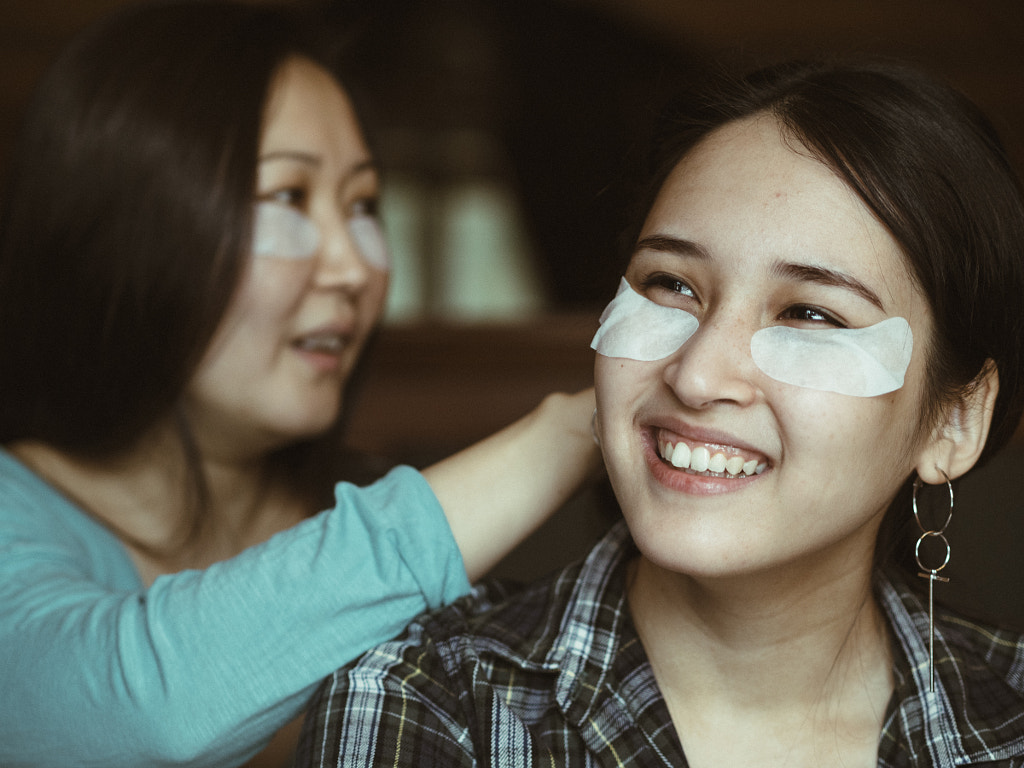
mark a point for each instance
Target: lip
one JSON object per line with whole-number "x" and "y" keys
{"x": 325, "y": 359}
{"x": 687, "y": 482}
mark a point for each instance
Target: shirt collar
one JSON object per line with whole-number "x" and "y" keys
{"x": 975, "y": 714}
{"x": 606, "y": 687}
{"x": 594, "y": 622}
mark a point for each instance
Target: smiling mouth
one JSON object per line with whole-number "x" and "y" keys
{"x": 708, "y": 460}
{"x": 322, "y": 343}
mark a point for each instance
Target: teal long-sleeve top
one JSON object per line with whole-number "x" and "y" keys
{"x": 202, "y": 667}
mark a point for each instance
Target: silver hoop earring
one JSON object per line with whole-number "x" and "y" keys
{"x": 932, "y": 574}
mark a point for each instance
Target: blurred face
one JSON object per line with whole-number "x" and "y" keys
{"x": 315, "y": 281}
{"x": 747, "y": 236}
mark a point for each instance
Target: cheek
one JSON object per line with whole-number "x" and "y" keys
{"x": 807, "y": 417}
{"x": 613, "y": 380}
{"x": 620, "y": 385}
{"x": 373, "y": 298}
{"x": 273, "y": 288}
{"x": 267, "y": 296}
{"x": 848, "y": 434}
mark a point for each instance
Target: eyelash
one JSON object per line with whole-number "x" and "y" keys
{"x": 662, "y": 281}
{"x": 296, "y": 197}
{"x": 365, "y": 206}
{"x": 802, "y": 313}
{"x": 823, "y": 317}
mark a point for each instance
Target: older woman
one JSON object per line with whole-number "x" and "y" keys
{"x": 190, "y": 265}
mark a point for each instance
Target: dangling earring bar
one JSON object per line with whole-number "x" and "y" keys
{"x": 932, "y": 574}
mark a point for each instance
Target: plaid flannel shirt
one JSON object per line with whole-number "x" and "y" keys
{"x": 556, "y": 676}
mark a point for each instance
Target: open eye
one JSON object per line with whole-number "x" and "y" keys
{"x": 662, "y": 283}
{"x": 294, "y": 197}
{"x": 807, "y": 315}
{"x": 364, "y": 206}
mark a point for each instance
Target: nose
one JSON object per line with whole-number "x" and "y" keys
{"x": 714, "y": 366}
{"x": 341, "y": 265}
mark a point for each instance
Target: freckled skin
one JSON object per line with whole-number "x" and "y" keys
{"x": 750, "y": 203}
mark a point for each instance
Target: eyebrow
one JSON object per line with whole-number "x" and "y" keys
{"x": 673, "y": 245}
{"x": 310, "y": 159}
{"x": 290, "y": 154}
{"x": 806, "y": 273}
{"x": 828, "y": 277}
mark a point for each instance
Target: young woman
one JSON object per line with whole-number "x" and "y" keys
{"x": 190, "y": 265}
{"x": 818, "y": 321}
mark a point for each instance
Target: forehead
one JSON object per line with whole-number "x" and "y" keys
{"x": 750, "y": 194}
{"x": 308, "y": 109}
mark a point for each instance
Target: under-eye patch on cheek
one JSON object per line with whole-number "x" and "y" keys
{"x": 369, "y": 239}
{"x": 284, "y": 233}
{"x": 639, "y": 329}
{"x": 862, "y": 362}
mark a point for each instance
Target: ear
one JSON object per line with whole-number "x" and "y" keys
{"x": 958, "y": 440}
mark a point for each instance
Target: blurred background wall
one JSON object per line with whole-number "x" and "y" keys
{"x": 507, "y": 126}
{"x": 507, "y": 129}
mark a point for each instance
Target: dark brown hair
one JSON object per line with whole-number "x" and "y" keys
{"x": 931, "y": 168}
{"x": 125, "y": 220}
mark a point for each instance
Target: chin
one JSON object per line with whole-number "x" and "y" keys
{"x": 307, "y": 424}
{"x": 689, "y": 546}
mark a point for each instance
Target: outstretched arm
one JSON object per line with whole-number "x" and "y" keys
{"x": 497, "y": 491}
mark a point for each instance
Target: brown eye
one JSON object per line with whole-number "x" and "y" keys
{"x": 669, "y": 283}
{"x": 364, "y": 207}
{"x": 803, "y": 313}
{"x": 294, "y": 197}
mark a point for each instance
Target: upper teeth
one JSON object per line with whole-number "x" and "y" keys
{"x": 322, "y": 343}
{"x": 700, "y": 459}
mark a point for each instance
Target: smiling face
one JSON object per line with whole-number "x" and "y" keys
{"x": 748, "y": 234}
{"x": 315, "y": 285}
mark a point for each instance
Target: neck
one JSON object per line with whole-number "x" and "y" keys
{"x": 148, "y": 497}
{"x": 758, "y": 628}
{"x": 780, "y": 652}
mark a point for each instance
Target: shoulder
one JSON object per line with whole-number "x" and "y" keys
{"x": 499, "y": 620}
{"x": 484, "y": 667}
{"x": 497, "y": 623}
{"x": 413, "y": 701}
{"x": 505, "y": 619}
{"x": 42, "y": 532}
{"x": 981, "y": 672}
{"x": 567, "y": 614}
{"x": 31, "y": 508}
{"x": 977, "y": 648}
{"x": 19, "y": 486}
{"x": 977, "y": 709}
{"x": 983, "y": 650}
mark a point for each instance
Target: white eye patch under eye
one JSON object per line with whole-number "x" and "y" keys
{"x": 639, "y": 329}
{"x": 284, "y": 233}
{"x": 369, "y": 239}
{"x": 862, "y": 362}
